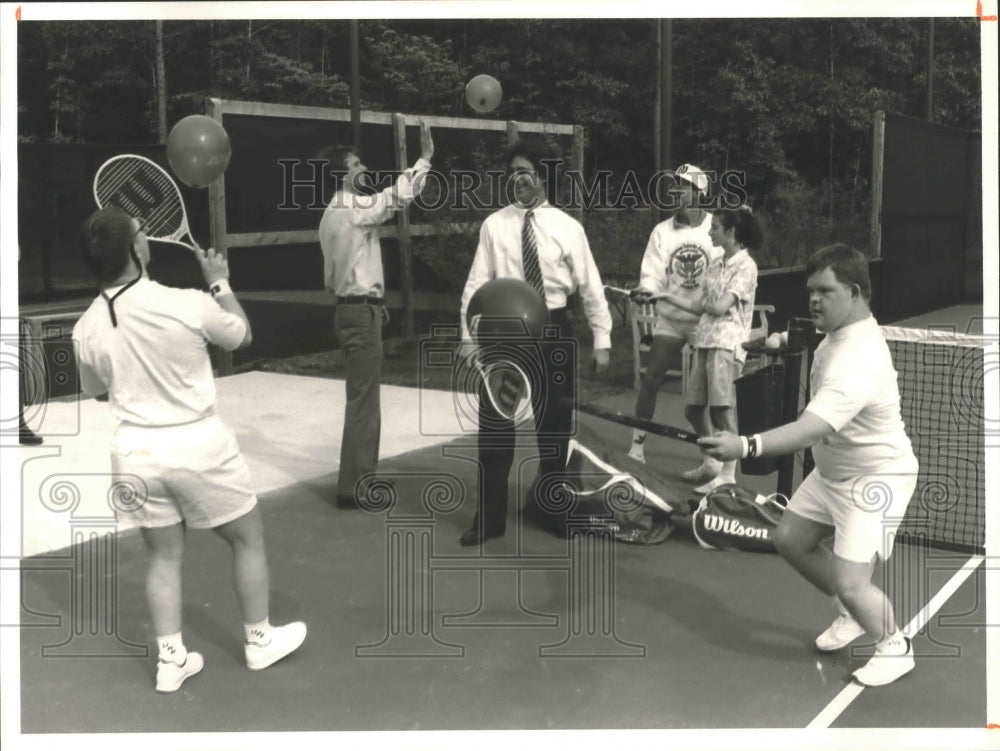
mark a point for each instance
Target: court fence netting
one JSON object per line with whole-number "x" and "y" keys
{"x": 941, "y": 383}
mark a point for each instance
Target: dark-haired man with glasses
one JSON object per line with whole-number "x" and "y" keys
{"x": 531, "y": 239}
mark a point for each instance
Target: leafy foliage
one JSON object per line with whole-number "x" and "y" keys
{"x": 788, "y": 102}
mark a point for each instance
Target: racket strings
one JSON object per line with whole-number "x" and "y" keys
{"x": 143, "y": 190}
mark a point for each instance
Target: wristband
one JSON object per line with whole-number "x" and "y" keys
{"x": 746, "y": 447}
{"x": 220, "y": 287}
{"x": 760, "y": 444}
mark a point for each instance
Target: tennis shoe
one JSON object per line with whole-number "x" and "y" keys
{"x": 170, "y": 675}
{"x": 281, "y": 642}
{"x": 704, "y": 472}
{"x": 637, "y": 453}
{"x": 884, "y": 667}
{"x": 841, "y": 632}
{"x": 711, "y": 485}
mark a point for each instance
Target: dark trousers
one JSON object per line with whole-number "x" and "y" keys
{"x": 553, "y": 381}
{"x": 359, "y": 331}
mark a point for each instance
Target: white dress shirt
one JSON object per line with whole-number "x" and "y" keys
{"x": 348, "y": 234}
{"x": 564, "y": 256}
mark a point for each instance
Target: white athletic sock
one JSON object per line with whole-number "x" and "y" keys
{"x": 841, "y": 607}
{"x": 728, "y": 472}
{"x": 893, "y": 644}
{"x": 258, "y": 632}
{"x": 639, "y": 436}
{"x": 172, "y": 648}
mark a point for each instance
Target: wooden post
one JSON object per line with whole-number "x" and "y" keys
{"x": 217, "y": 222}
{"x": 403, "y": 223}
{"x": 512, "y": 131}
{"x": 355, "y": 85}
{"x": 576, "y": 164}
{"x": 878, "y": 155}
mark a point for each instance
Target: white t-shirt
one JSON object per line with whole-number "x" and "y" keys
{"x": 564, "y": 258}
{"x": 855, "y": 390}
{"x": 155, "y": 364}
{"x": 676, "y": 260}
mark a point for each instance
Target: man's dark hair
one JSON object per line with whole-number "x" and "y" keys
{"x": 337, "y": 155}
{"x": 544, "y": 157}
{"x": 849, "y": 266}
{"x": 106, "y": 239}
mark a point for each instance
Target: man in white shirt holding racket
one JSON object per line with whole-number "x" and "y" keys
{"x": 352, "y": 270}
{"x": 865, "y": 472}
{"x": 145, "y": 346}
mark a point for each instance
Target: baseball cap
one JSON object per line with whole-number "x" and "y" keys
{"x": 693, "y": 175}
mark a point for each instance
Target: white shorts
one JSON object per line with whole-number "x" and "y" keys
{"x": 193, "y": 473}
{"x": 676, "y": 329}
{"x": 864, "y": 511}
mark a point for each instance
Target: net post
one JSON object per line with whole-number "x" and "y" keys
{"x": 403, "y": 227}
{"x": 790, "y": 398}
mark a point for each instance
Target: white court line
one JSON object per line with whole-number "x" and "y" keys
{"x": 843, "y": 700}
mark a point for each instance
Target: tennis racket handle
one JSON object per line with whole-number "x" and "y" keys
{"x": 656, "y": 428}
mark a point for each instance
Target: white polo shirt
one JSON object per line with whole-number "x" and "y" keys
{"x": 155, "y": 364}
{"x": 855, "y": 390}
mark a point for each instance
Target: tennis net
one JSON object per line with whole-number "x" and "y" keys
{"x": 941, "y": 394}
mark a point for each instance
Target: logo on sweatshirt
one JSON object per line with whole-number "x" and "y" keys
{"x": 687, "y": 265}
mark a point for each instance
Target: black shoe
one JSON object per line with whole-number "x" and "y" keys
{"x": 532, "y": 512}
{"x": 29, "y": 438}
{"x": 347, "y": 502}
{"x": 382, "y": 498}
{"x": 476, "y": 536}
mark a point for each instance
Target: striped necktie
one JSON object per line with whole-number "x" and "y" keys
{"x": 529, "y": 256}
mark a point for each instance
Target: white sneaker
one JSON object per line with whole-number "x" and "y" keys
{"x": 170, "y": 675}
{"x": 283, "y": 641}
{"x": 711, "y": 485}
{"x": 637, "y": 453}
{"x": 841, "y": 632}
{"x": 701, "y": 473}
{"x": 882, "y": 669}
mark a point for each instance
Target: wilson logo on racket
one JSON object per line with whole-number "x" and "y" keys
{"x": 144, "y": 190}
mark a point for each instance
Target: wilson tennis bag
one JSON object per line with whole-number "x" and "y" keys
{"x": 732, "y": 518}
{"x": 600, "y": 495}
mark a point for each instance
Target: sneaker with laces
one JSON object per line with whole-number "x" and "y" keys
{"x": 884, "y": 667}
{"x": 282, "y": 642}
{"x": 841, "y": 632}
{"x": 170, "y": 675}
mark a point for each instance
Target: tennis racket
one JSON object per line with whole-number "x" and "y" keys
{"x": 144, "y": 189}
{"x": 507, "y": 387}
{"x": 656, "y": 428}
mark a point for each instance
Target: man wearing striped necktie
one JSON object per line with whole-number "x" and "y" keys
{"x": 531, "y": 239}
